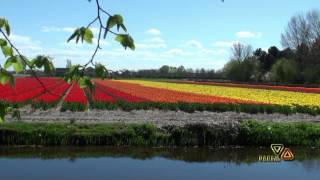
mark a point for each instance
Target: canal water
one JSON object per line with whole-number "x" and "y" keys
{"x": 93, "y": 163}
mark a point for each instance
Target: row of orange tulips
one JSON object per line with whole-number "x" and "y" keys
{"x": 165, "y": 95}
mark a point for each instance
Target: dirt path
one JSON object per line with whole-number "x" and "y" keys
{"x": 157, "y": 117}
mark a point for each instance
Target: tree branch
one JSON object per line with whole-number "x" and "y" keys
{"x": 101, "y": 27}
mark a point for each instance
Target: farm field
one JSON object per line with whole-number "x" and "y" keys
{"x": 139, "y": 94}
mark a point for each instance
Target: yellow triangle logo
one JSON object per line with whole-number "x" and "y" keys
{"x": 277, "y": 148}
{"x": 287, "y": 155}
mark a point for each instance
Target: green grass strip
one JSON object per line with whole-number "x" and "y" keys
{"x": 247, "y": 133}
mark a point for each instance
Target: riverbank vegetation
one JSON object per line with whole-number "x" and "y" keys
{"x": 247, "y": 133}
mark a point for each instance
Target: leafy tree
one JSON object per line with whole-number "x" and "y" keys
{"x": 261, "y": 56}
{"x": 181, "y": 71}
{"x": 164, "y": 70}
{"x": 284, "y": 71}
{"x": 287, "y": 53}
{"x": 244, "y": 71}
{"x": 315, "y": 52}
{"x": 232, "y": 70}
{"x": 243, "y": 65}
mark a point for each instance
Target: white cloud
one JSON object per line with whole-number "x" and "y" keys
{"x": 68, "y": 29}
{"x": 224, "y": 44}
{"x": 150, "y": 46}
{"x": 49, "y": 29}
{"x": 154, "y": 31}
{"x": 194, "y": 44}
{"x": 178, "y": 52}
{"x": 248, "y": 34}
{"x": 218, "y": 52}
{"x": 155, "y": 40}
{"x": 25, "y": 43}
{"x": 64, "y": 29}
{"x": 153, "y": 43}
{"x": 73, "y": 44}
{"x": 56, "y": 29}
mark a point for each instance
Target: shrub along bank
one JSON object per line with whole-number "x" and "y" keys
{"x": 217, "y": 107}
{"x": 247, "y": 133}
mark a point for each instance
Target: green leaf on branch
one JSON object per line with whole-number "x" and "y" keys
{"x": 6, "y": 77}
{"x": 17, "y": 63}
{"x": 18, "y": 66}
{"x": 4, "y": 23}
{"x": 8, "y": 63}
{"x": 75, "y": 34}
{"x": 83, "y": 33}
{"x": 112, "y": 21}
{"x": 123, "y": 27}
{"x": 3, "y": 42}
{"x": 45, "y": 62}
{"x": 85, "y": 82}
{"x": 101, "y": 70}
{"x": 126, "y": 41}
{"x": 88, "y": 36}
{"x": 73, "y": 74}
{"x": 7, "y": 28}
{"x": 49, "y": 67}
{"x": 7, "y": 51}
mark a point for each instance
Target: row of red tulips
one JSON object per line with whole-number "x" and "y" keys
{"x": 54, "y": 95}
{"x": 76, "y": 95}
{"x": 27, "y": 89}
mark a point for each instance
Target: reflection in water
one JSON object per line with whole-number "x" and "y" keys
{"x": 153, "y": 163}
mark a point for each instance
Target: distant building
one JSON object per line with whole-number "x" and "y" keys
{"x": 60, "y": 72}
{"x": 91, "y": 72}
{"x": 29, "y": 72}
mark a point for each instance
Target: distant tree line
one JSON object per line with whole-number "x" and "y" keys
{"x": 169, "y": 72}
{"x": 298, "y": 63}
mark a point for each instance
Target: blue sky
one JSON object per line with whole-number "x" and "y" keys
{"x": 196, "y": 34}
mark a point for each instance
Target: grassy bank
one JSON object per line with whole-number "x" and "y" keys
{"x": 248, "y": 133}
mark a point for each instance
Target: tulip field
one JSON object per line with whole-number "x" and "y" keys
{"x": 180, "y": 95}
{"x": 269, "y": 96}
